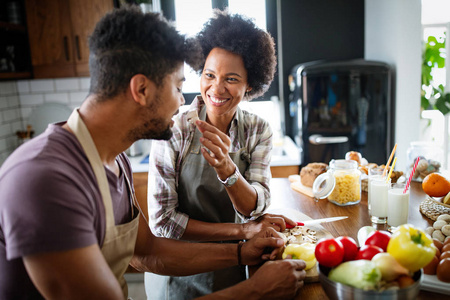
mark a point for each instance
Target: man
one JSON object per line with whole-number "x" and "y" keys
{"x": 68, "y": 229}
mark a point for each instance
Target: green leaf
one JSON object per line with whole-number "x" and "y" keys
{"x": 443, "y": 104}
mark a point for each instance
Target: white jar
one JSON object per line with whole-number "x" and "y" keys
{"x": 431, "y": 156}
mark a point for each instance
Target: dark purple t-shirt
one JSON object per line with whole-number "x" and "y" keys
{"x": 50, "y": 201}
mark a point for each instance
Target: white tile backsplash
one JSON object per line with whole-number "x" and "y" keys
{"x": 69, "y": 84}
{"x": 23, "y": 86}
{"x": 31, "y": 99}
{"x": 5, "y": 129}
{"x": 13, "y": 101}
{"x": 3, "y": 102}
{"x": 56, "y": 97}
{"x": 3, "y": 147}
{"x": 76, "y": 98}
{"x": 8, "y": 88}
{"x": 42, "y": 85}
{"x": 85, "y": 83}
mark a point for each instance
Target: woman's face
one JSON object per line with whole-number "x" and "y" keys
{"x": 223, "y": 83}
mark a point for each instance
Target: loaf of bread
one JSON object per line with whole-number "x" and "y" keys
{"x": 353, "y": 155}
{"x": 310, "y": 172}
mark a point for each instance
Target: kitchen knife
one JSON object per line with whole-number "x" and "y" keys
{"x": 317, "y": 221}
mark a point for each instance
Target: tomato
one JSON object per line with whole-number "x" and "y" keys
{"x": 329, "y": 252}
{"x": 350, "y": 247}
{"x": 379, "y": 238}
{"x": 368, "y": 251}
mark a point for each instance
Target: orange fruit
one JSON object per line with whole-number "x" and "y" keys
{"x": 436, "y": 185}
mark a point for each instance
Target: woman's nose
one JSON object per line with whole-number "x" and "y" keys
{"x": 218, "y": 87}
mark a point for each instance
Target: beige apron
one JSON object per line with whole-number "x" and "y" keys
{"x": 119, "y": 242}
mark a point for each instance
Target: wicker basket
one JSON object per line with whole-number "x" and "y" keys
{"x": 432, "y": 208}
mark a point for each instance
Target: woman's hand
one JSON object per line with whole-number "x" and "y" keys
{"x": 218, "y": 145}
{"x": 277, "y": 222}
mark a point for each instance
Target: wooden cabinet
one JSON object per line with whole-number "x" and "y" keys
{"x": 140, "y": 188}
{"x": 58, "y": 33}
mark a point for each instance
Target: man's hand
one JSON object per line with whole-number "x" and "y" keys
{"x": 277, "y": 222}
{"x": 263, "y": 246}
{"x": 280, "y": 279}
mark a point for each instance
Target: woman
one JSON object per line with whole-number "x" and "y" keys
{"x": 216, "y": 170}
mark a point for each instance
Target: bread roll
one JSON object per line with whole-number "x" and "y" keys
{"x": 353, "y": 155}
{"x": 310, "y": 172}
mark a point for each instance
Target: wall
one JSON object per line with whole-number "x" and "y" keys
{"x": 32, "y": 93}
{"x": 19, "y": 98}
{"x": 393, "y": 34}
{"x": 10, "y": 118}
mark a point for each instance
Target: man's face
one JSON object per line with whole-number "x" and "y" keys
{"x": 157, "y": 116}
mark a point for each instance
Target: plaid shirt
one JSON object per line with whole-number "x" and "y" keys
{"x": 166, "y": 158}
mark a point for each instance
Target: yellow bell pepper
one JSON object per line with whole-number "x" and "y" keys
{"x": 411, "y": 247}
{"x": 303, "y": 251}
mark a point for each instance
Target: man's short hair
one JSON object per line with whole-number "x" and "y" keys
{"x": 126, "y": 42}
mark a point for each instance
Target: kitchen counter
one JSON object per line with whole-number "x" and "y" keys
{"x": 285, "y": 200}
{"x": 284, "y": 153}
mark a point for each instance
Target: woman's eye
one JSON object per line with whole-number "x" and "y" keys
{"x": 209, "y": 75}
{"x": 232, "y": 79}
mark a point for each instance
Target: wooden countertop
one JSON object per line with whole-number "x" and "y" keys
{"x": 284, "y": 197}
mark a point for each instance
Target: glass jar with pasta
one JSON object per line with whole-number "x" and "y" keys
{"x": 341, "y": 184}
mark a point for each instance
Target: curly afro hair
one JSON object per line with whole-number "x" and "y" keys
{"x": 239, "y": 35}
{"x": 126, "y": 42}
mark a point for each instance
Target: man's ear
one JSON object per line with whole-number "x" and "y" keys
{"x": 142, "y": 89}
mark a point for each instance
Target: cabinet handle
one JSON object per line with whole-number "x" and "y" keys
{"x": 77, "y": 43}
{"x": 317, "y": 139}
{"x": 66, "y": 48}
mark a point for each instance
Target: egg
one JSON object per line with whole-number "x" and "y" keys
{"x": 438, "y": 244}
{"x": 445, "y": 248}
{"x": 430, "y": 269}
{"x": 445, "y": 255}
{"x": 443, "y": 270}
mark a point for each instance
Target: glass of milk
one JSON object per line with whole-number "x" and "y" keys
{"x": 377, "y": 195}
{"x": 398, "y": 205}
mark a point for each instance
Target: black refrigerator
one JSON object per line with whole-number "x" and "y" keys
{"x": 341, "y": 106}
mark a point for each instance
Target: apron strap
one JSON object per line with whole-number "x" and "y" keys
{"x": 80, "y": 130}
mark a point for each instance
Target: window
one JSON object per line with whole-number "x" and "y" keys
{"x": 436, "y": 23}
{"x": 190, "y": 15}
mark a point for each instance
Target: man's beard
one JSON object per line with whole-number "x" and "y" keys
{"x": 156, "y": 131}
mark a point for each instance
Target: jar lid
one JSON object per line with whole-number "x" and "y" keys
{"x": 323, "y": 185}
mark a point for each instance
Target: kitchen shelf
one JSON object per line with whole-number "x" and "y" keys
{"x": 15, "y": 75}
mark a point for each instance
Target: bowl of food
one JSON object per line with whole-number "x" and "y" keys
{"x": 381, "y": 290}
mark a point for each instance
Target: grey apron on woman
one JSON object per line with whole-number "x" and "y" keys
{"x": 203, "y": 198}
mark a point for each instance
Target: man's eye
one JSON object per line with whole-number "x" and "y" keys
{"x": 179, "y": 90}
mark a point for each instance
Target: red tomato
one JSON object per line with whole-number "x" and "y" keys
{"x": 368, "y": 251}
{"x": 350, "y": 247}
{"x": 329, "y": 252}
{"x": 379, "y": 238}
